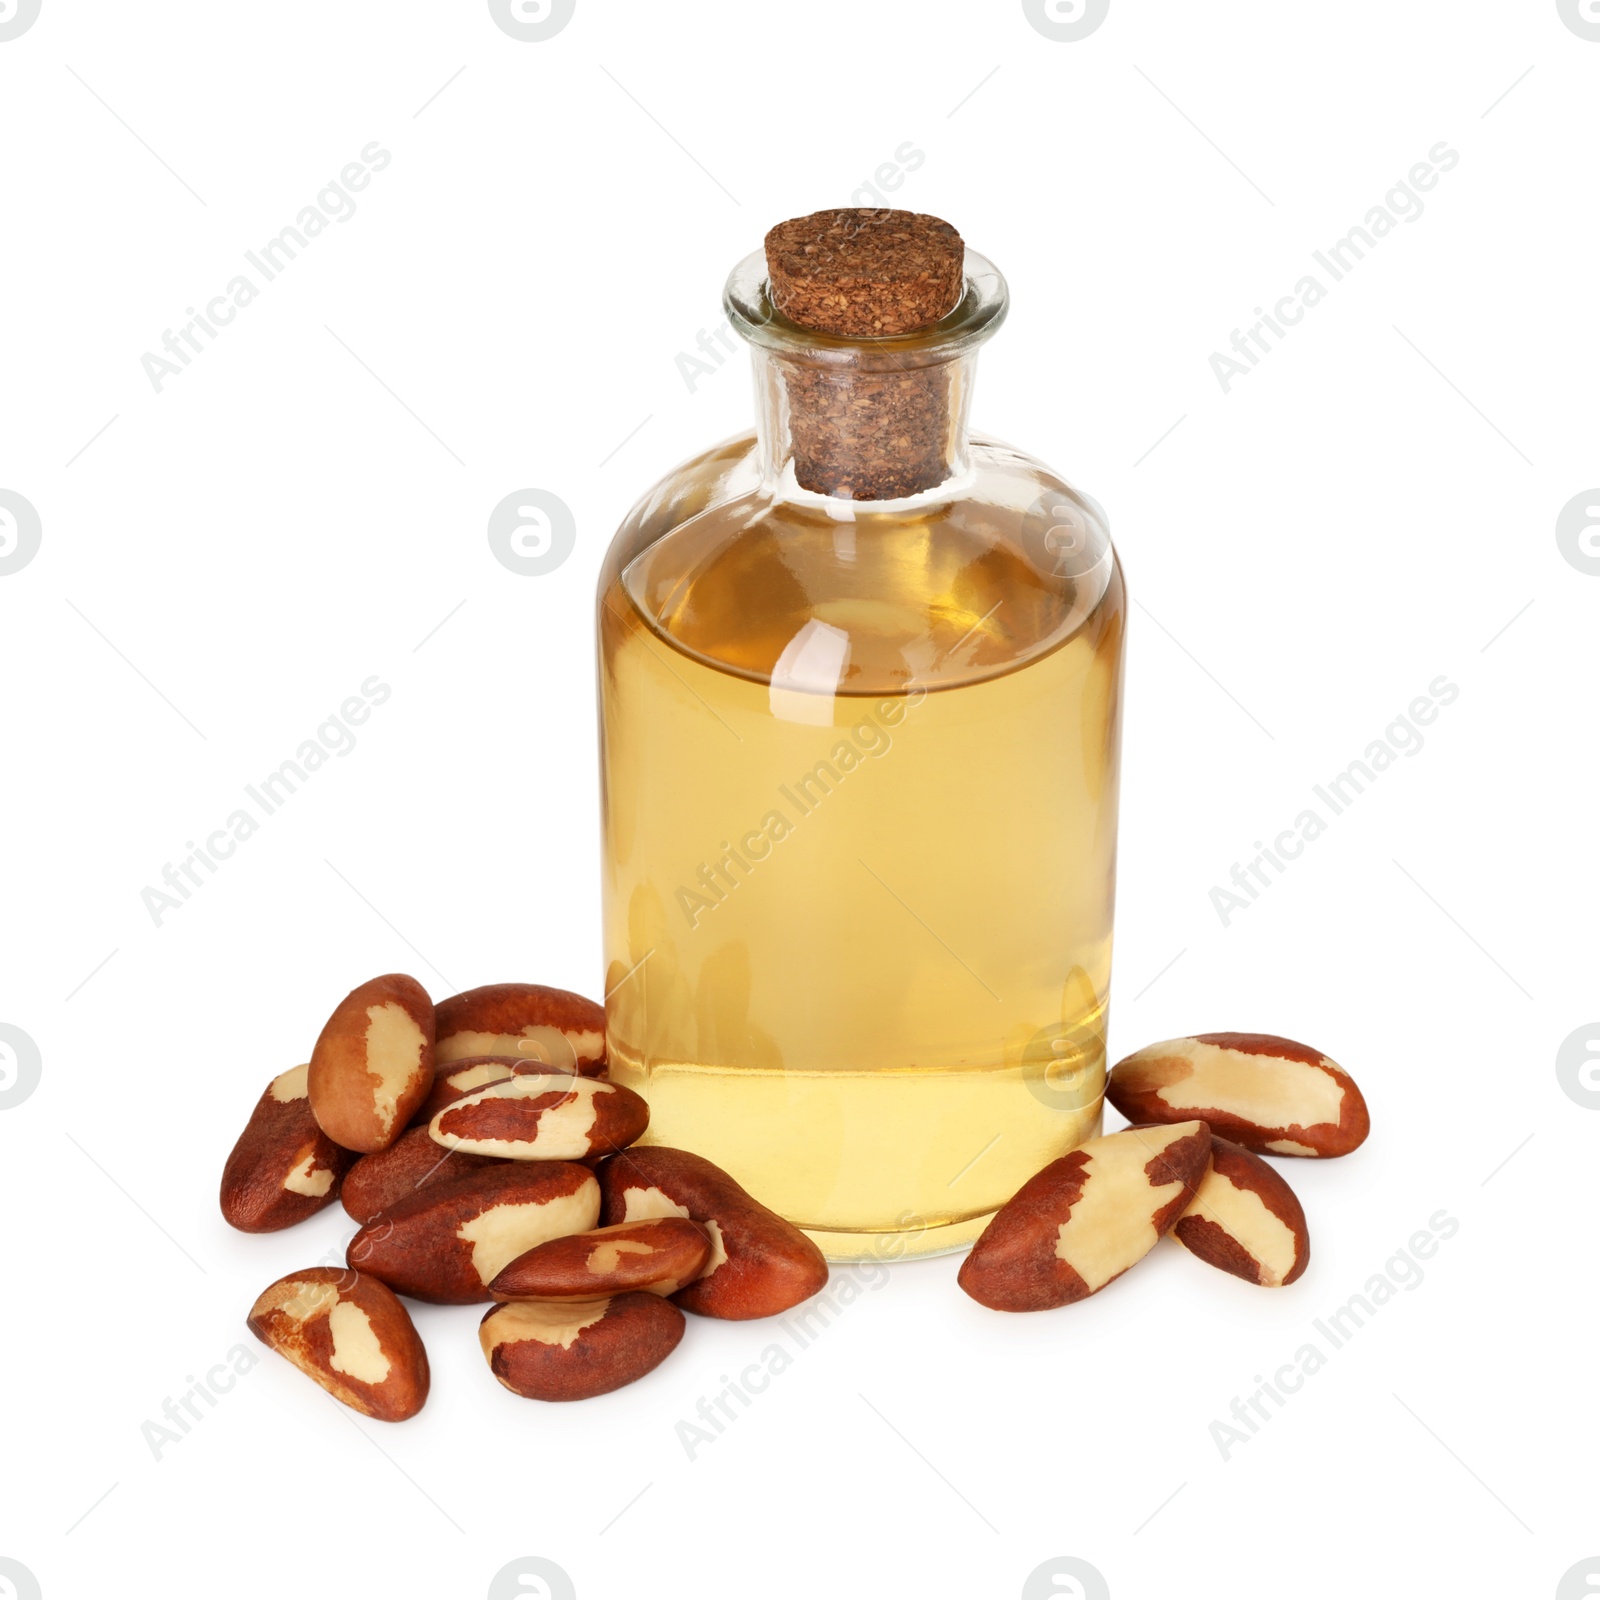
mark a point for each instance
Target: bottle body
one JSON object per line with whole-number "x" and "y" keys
{"x": 860, "y": 770}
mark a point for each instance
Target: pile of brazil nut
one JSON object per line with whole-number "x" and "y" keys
{"x": 488, "y": 1160}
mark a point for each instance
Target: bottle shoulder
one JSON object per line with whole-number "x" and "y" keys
{"x": 991, "y": 571}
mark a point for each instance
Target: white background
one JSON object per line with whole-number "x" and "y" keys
{"x": 305, "y": 506}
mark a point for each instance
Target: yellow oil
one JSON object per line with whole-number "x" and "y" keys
{"x": 859, "y": 942}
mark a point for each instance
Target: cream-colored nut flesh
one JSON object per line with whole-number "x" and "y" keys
{"x": 640, "y": 1205}
{"x": 607, "y": 1255}
{"x": 537, "y": 1041}
{"x": 549, "y": 1323}
{"x": 1291, "y": 1147}
{"x": 540, "y": 1042}
{"x": 356, "y": 1350}
{"x": 590, "y": 1043}
{"x": 300, "y": 1300}
{"x": 1243, "y": 1215}
{"x": 1267, "y": 1090}
{"x": 290, "y": 1085}
{"x": 394, "y": 1053}
{"x": 1112, "y": 1224}
{"x": 563, "y": 1130}
{"x": 478, "y": 1076}
{"x": 502, "y": 1233}
{"x": 309, "y": 1179}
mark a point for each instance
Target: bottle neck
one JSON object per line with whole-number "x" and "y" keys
{"x": 871, "y": 427}
{"x": 869, "y": 419}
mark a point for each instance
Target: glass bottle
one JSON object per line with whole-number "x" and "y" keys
{"x": 860, "y": 689}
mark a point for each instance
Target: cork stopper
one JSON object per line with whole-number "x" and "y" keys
{"x": 864, "y": 273}
{"x": 875, "y": 422}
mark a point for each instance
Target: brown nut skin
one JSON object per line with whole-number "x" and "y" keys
{"x": 455, "y": 1080}
{"x": 552, "y": 1027}
{"x": 656, "y": 1257}
{"x": 1269, "y": 1094}
{"x": 446, "y": 1243}
{"x": 1246, "y": 1220}
{"x": 578, "y": 1349}
{"x": 350, "y": 1334}
{"x": 760, "y": 1265}
{"x": 284, "y": 1167}
{"x": 412, "y": 1162}
{"x": 373, "y": 1064}
{"x": 1085, "y": 1219}
{"x": 543, "y": 1116}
